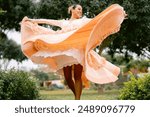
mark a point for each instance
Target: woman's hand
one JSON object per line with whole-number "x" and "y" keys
{"x": 28, "y": 19}
{"x": 125, "y": 15}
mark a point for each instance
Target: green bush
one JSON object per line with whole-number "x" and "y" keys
{"x": 136, "y": 89}
{"x": 17, "y": 85}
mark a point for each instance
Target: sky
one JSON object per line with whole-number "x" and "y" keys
{"x": 16, "y": 36}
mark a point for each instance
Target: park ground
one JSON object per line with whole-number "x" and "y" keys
{"x": 87, "y": 94}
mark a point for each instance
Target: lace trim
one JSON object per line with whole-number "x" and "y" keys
{"x": 58, "y": 68}
{"x": 75, "y": 53}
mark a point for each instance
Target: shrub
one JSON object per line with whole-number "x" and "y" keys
{"x": 17, "y": 85}
{"x": 136, "y": 89}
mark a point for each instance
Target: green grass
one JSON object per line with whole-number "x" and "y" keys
{"x": 86, "y": 95}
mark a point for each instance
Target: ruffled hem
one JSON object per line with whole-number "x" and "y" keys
{"x": 59, "y": 59}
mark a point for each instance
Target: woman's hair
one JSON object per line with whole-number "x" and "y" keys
{"x": 72, "y": 7}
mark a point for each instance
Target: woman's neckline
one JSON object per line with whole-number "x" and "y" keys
{"x": 72, "y": 19}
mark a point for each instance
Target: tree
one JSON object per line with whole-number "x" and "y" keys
{"x": 11, "y": 14}
{"x": 15, "y": 11}
{"x": 9, "y": 49}
{"x": 42, "y": 76}
{"x": 134, "y": 34}
{"x": 56, "y": 9}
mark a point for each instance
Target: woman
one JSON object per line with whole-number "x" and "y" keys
{"x": 71, "y": 48}
{"x": 76, "y": 85}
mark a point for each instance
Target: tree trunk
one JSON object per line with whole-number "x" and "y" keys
{"x": 100, "y": 88}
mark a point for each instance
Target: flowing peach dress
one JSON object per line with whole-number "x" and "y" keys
{"x": 74, "y": 43}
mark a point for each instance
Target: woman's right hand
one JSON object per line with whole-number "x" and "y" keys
{"x": 25, "y": 18}
{"x": 28, "y": 19}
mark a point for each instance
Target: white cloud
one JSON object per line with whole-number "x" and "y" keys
{"x": 16, "y": 36}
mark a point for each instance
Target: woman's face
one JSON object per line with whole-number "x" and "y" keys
{"x": 77, "y": 12}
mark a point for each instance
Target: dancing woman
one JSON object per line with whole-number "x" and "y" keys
{"x": 71, "y": 48}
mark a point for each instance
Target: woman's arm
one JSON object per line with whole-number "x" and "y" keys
{"x": 46, "y": 21}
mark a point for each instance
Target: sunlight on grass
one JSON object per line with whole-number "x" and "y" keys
{"x": 86, "y": 95}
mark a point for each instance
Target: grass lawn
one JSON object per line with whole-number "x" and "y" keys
{"x": 86, "y": 95}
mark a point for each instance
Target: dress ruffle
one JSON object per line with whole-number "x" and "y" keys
{"x": 74, "y": 43}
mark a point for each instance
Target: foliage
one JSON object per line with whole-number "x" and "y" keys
{"x": 136, "y": 89}
{"x": 1, "y": 11}
{"x": 117, "y": 59}
{"x": 134, "y": 34}
{"x": 59, "y": 9}
{"x": 11, "y": 13}
{"x": 15, "y": 11}
{"x": 10, "y": 49}
{"x": 17, "y": 85}
{"x": 42, "y": 76}
{"x": 140, "y": 65}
